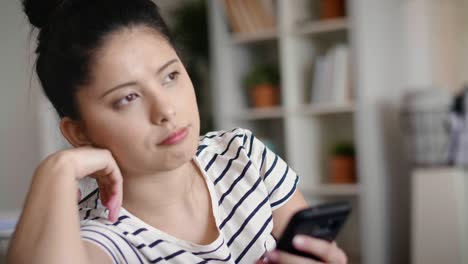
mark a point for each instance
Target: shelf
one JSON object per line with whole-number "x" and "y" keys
{"x": 254, "y": 37}
{"x": 320, "y": 27}
{"x": 331, "y": 190}
{"x": 308, "y": 109}
{"x": 261, "y": 113}
{"x": 325, "y": 109}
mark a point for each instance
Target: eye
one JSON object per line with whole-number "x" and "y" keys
{"x": 171, "y": 77}
{"x": 127, "y": 99}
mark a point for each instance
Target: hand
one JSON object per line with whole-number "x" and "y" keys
{"x": 327, "y": 252}
{"x": 88, "y": 161}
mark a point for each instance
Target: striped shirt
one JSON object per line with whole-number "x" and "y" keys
{"x": 246, "y": 182}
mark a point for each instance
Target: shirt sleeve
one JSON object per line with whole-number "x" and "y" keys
{"x": 279, "y": 179}
{"x": 112, "y": 243}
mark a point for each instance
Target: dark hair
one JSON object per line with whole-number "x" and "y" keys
{"x": 72, "y": 31}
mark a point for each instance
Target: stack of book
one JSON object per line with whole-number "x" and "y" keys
{"x": 7, "y": 227}
{"x": 250, "y": 16}
{"x": 331, "y": 77}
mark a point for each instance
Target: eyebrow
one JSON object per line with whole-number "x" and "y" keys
{"x": 161, "y": 69}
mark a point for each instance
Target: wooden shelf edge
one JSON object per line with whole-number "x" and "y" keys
{"x": 326, "y": 109}
{"x": 253, "y": 37}
{"x": 324, "y": 26}
{"x": 331, "y": 190}
{"x": 281, "y": 112}
{"x": 262, "y": 113}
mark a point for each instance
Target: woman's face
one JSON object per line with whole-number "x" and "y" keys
{"x": 140, "y": 103}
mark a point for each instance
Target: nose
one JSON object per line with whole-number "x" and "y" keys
{"x": 162, "y": 111}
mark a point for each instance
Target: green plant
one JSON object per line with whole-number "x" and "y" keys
{"x": 190, "y": 29}
{"x": 262, "y": 74}
{"x": 343, "y": 149}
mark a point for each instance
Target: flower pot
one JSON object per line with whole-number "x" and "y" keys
{"x": 342, "y": 169}
{"x": 264, "y": 95}
{"x": 332, "y": 9}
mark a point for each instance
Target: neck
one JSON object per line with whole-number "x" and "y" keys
{"x": 163, "y": 194}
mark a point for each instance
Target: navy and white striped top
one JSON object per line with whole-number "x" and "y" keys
{"x": 246, "y": 182}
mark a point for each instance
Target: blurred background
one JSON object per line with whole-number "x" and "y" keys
{"x": 365, "y": 99}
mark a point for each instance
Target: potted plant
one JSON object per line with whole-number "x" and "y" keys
{"x": 262, "y": 86}
{"x": 330, "y": 9}
{"x": 342, "y": 163}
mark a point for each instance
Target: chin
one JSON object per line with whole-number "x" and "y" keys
{"x": 179, "y": 157}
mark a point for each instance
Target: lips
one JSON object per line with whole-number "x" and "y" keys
{"x": 175, "y": 137}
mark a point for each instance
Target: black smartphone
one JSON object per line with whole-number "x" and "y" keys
{"x": 322, "y": 221}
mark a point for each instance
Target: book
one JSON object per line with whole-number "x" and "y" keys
{"x": 262, "y": 11}
{"x": 7, "y": 226}
{"x": 232, "y": 17}
{"x": 242, "y": 7}
{"x": 318, "y": 80}
{"x": 250, "y": 16}
{"x": 239, "y": 22}
{"x": 331, "y": 77}
{"x": 270, "y": 13}
{"x": 340, "y": 79}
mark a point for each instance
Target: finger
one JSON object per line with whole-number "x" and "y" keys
{"x": 277, "y": 256}
{"x": 111, "y": 192}
{"x": 328, "y": 252}
{"x": 116, "y": 201}
{"x": 340, "y": 256}
{"x": 260, "y": 262}
{"x": 109, "y": 180}
{"x": 92, "y": 161}
{"x": 78, "y": 195}
{"x": 273, "y": 256}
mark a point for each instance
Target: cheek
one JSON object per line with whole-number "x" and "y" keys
{"x": 112, "y": 132}
{"x": 190, "y": 98}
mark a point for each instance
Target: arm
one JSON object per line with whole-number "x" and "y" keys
{"x": 49, "y": 230}
{"x": 285, "y": 200}
{"x": 282, "y": 215}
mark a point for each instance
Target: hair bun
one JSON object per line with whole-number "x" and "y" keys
{"x": 40, "y": 11}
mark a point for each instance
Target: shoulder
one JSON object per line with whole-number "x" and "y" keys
{"x": 111, "y": 239}
{"x": 221, "y": 142}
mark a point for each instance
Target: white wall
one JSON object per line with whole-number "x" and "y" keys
{"x": 19, "y": 148}
{"x": 400, "y": 45}
{"x": 381, "y": 73}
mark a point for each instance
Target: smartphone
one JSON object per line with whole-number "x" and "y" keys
{"x": 323, "y": 221}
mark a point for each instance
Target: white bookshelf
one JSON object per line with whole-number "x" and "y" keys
{"x": 303, "y": 132}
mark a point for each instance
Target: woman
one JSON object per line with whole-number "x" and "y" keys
{"x": 165, "y": 194}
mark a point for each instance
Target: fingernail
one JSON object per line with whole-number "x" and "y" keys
{"x": 299, "y": 241}
{"x": 272, "y": 256}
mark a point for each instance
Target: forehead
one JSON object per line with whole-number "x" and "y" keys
{"x": 130, "y": 49}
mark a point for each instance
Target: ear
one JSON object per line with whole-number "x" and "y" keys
{"x": 74, "y": 132}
